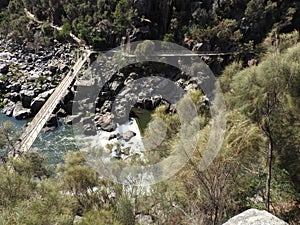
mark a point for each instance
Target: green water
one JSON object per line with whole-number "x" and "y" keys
{"x": 53, "y": 146}
{"x": 143, "y": 118}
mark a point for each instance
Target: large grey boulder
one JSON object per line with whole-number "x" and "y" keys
{"x": 37, "y": 104}
{"x": 106, "y": 122}
{"x": 73, "y": 119}
{"x": 20, "y": 112}
{"x": 255, "y": 217}
{"x": 45, "y": 95}
{"x": 9, "y": 107}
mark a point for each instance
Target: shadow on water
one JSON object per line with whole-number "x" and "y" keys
{"x": 143, "y": 117}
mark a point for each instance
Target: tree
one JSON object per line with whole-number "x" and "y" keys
{"x": 122, "y": 15}
{"x": 261, "y": 92}
{"x": 237, "y": 165}
{"x": 8, "y": 139}
{"x": 27, "y": 200}
{"x": 85, "y": 184}
{"x": 125, "y": 211}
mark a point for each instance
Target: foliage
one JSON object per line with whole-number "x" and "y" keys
{"x": 99, "y": 217}
{"x": 262, "y": 118}
{"x": 145, "y": 48}
{"x": 169, "y": 38}
{"x": 216, "y": 22}
{"x": 263, "y": 93}
{"x": 8, "y": 137}
{"x": 122, "y": 15}
{"x": 125, "y": 212}
{"x": 25, "y": 200}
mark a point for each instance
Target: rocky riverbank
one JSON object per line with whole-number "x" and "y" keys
{"x": 29, "y": 75}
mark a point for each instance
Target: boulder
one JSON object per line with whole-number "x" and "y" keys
{"x": 61, "y": 113}
{"x": 63, "y": 68}
{"x": 112, "y": 136}
{"x": 26, "y": 97}
{"x": 34, "y": 77}
{"x": 45, "y": 95}
{"x": 48, "y": 129}
{"x": 191, "y": 86}
{"x": 52, "y": 121}
{"x": 53, "y": 68}
{"x": 14, "y": 96}
{"x": 115, "y": 86}
{"x": 255, "y": 217}
{"x": 36, "y": 104}
{"x": 20, "y": 112}
{"x": 106, "y": 106}
{"x": 8, "y": 108}
{"x": 89, "y": 129}
{"x": 106, "y": 122}
{"x": 73, "y": 119}
{"x": 128, "y": 135}
{"x": 77, "y": 219}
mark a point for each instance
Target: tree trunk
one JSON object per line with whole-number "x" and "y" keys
{"x": 269, "y": 176}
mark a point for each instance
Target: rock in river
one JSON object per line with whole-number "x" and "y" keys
{"x": 89, "y": 129}
{"x": 128, "y": 135}
{"x": 106, "y": 122}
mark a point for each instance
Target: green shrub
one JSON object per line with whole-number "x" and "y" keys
{"x": 99, "y": 217}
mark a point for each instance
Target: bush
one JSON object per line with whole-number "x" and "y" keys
{"x": 99, "y": 217}
{"x": 145, "y": 48}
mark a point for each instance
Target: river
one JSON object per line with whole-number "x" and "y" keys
{"x": 54, "y": 145}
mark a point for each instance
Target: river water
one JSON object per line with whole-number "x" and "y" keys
{"x": 54, "y": 145}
